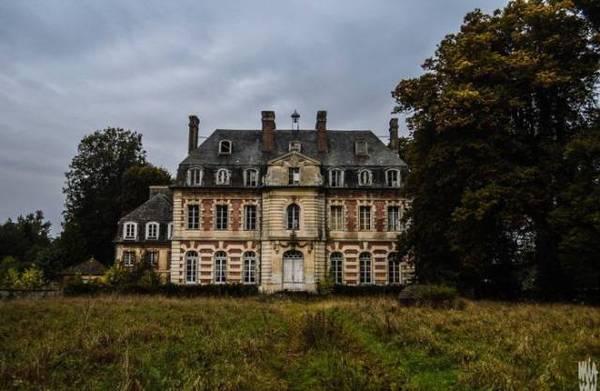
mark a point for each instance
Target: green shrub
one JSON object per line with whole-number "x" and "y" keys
{"x": 430, "y": 295}
{"x": 366, "y": 290}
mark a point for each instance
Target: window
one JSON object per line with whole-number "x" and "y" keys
{"x": 152, "y": 258}
{"x": 223, "y": 176}
{"x": 191, "y": 267}
{"x": 336, "y": 268}
{"x": 224, "y": 147}
{"x": 130, "y": 231}
{"x": 365, "y": 268}
{"x": 222, "y": 217}
{"x": 194, "y": 176}
{"x": 336, "y": 178}
{"x": 361, "y": 148}
{"x": 365, "y": 178}
{"x": 365, "y": 218}
{"x": 193, "y": 216}
{"x": 251, "y": 178}
{"x": 293, "y": 216}
{"x": 294, "y": 175}
{"x": 394, "y": 269}
{"x": 295, "y": 146}
{"x": 393, "y": 214}
{"x": 250, "y": 217}
{"x": 128, "y": 258}
{"x": 249, "y": 268}
{"x": 152, "y": 231}
{"x": 220, "y": 267}
{"x": 336, "y": 218}
{"x": 169, "y": 230}
{"x": 392, "y": 178}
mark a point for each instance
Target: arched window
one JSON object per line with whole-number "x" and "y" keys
{"x": 394, "y": 269}
{"x": 225, "y": 147}
{"x": 249, "y": 268}
{"x": 336, "y": 177}
{"x": 293, "y": 217}
{"x": 222, "y": 176}
{"x": 392, "y": 178}
{"x": 220, "y": 267}
{"x": 191, "y": 267}
{"x": 152, "y": 230}
{"x": 336, "y": 267}
{"x": 130, "y": 230}
{"x": 365, "y": 177}
{"x": 251, "y": 177}
{"x": 365, "y": 268}
{"x": 194, "y": 176}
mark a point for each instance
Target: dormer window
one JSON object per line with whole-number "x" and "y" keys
{"x": 251, "y": 177}
{"x": 336, "y": 178}
{"x": 224, "y": 147}
{"x": 152, "y": 231}
{"x": 194, "y": 176}
{"x": 223, "y": 176}
{"x": 392, "y": 178}
{"x": 361, "y": 148}
{"x": 130, "y": 231}
{"x": 365, "y": 178}
{"x": 295, "y": 146}
{"x": 294, "y": 176}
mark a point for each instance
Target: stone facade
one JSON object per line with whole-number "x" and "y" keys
{"x": 283, "y": 209}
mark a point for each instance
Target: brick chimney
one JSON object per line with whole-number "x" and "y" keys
{"x": 393, "y": 134}
{"x": 322, "y": 130}
{"x": 193, "y": 133}
{"x": 268, "y": 130}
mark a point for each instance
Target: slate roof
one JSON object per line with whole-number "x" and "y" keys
{"x": 247, "y": 151}
{"x": 158, "y": 208}
{"x": 91, "y": 267}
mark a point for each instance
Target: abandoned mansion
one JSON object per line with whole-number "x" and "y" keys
{"x": 280, "y": 208}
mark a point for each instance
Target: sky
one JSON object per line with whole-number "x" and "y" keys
{"x": 68, "y": 68}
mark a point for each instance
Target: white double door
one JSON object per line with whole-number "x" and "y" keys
{"x": 293, "y": 270}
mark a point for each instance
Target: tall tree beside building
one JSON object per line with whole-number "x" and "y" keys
{"x": 135, "y": 183}
{"x": 93, "y": 188}
{"x": 491, "y": 118}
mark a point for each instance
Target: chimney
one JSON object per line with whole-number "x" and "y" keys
{"x": 193, "y": 133}
{"x": 393, "y": 134}
{"x": 268, "y": 130}
{"x": 322, "y": 130}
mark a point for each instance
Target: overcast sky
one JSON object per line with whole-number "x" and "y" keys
{"x": 68, "y": 68}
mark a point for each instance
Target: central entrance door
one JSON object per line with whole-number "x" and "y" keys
{"x": 293, "y": 270}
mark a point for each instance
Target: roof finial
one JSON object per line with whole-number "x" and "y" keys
{"x": 295, "y": 120}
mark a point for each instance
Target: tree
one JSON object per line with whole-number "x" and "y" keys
{"x": 135, "y": 183}
{"x": 490, "y": 119}
{"x": 25, "y": 238}
{"x": 93, "y": 186}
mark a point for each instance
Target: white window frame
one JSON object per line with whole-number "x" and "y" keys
{"x": 220, "y": 262}
{"x": 224, "y": 142}
{"x": 194, "y": 176}
{"x": 219, "y": 218}
{"x": 393, "y": 183}
{"x": 247, "y": 226}
{"x": 148, "y": 227}
{"x": 333, "y": 226}
{"x": 152, "y": 260}
{"x": 249, "y": 267}
{"x": 126, "y": 231}
{"x": 339, "y": 181}
{"x": 336, "y": 267}
{"x": 393, "y": 225}
{"x": 193, "y": 218}
{"x": 290, "y": 219}
{"x": 394, "y": 269}
{"x": 128, "y": 258}
{"x": 223, "y": 176}
{"x": 295, "y": 146}
{"x": 361, "y": 226}
{"x": 365, "y": 273}
{"x": 191, "y": 267}
{"x": 369, "y": 177}
{"x": 294, "y": 176}
{"x": 251, "y": 177}
{"x": 170, "y": 231}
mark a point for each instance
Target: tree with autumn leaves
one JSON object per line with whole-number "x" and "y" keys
{"x": 504, "y": 154}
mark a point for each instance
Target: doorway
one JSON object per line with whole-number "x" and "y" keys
{"x": 293, "y": 270}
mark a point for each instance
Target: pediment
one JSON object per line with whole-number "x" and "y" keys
{"x": 294, "y": 159}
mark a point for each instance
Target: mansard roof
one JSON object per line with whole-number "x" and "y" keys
{"x": 158, "y": 208}
{"x": 247, "y": 148}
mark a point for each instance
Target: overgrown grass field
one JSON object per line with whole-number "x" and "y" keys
{"x": 267, "y": 343}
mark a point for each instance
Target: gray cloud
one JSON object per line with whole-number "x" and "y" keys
{"x": 68, "y": 68}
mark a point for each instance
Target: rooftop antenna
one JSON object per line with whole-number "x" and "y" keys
{"x": 295, "y": 120}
